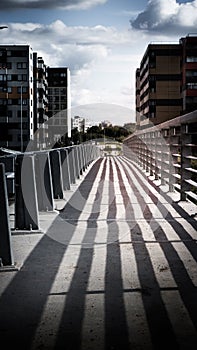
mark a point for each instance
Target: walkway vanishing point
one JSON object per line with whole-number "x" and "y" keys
{"x": 115, "y": 269}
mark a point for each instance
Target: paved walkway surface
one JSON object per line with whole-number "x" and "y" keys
{"x": 114, "y": 269}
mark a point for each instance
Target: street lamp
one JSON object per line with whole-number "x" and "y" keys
{"x": 5, "y": 27}
{"x": 21, "y": 118}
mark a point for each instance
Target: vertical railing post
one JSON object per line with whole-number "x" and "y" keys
{"x": 185, "y": 161}
{"x": 157, "y": 150}
{"x": 172, "y": 146}
{"x": 164, "y": 150}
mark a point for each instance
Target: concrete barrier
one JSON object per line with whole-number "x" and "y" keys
{"x": 56, "y": 171}
{"x": 6, "y": 255}
{"x": 71, "y": 165}
{"x": 26, "y": 204}
{"x": 9, "y": 162}
{"x": 44, "y": 182}
{"x": 64, "y": 154}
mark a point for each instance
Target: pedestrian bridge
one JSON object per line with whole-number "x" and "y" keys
{"x": 100, "y": 253}
{"x": 113, "y": 266}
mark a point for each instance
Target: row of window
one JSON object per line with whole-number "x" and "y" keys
{"x": 191, "y": 59}
{"x": 191, "y": 86}
{"x": 161, "y": 102}
{"x": 9, "y": 65}
{"x": 9, "y": 89}
{"x": 57, "y": 75}
{"x": 57, "y": 107}
{"x": 191, "y": 73}
{"x": 11, "y": 114}
{"x": 14, "y": 53}
{"x": 13, "y": 77}
{"x": 13, "y": 101}
{"x": 56, "y": 98}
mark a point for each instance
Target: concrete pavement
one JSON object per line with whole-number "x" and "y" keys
{"x": 115, "y": 268}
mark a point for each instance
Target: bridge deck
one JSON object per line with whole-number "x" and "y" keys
{"x": 116, "y": 269}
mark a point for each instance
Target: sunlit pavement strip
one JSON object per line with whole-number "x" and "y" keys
{"x": 122, "y": 277}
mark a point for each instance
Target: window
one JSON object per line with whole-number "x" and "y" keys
{"x": 21, "y": 65}
{"x": 3, "y": 101}
{"x": 192, "y": 86}
{"x": 3, "y": 89}
{"x": 24, "y": 101}
{"x": 191, "y": 59}
{"x": 9, "y": 113}
{"x": 2, "y": 77}
{"x": 17, "y": 53}
{"x": 12, "y": 77}
{"x": 9, "y": 89}
{"x": 191, "y": 73}
{"x": 22, "y": 77}
{"x": 24, "y": 89}
{"x": 63, "y": 91}
{"x": 24, "y": 114}
{"x": 8, "y": 65}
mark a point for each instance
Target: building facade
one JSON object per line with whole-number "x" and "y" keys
{"x": 78, "y": 123}
{"x": 40, "y": 102}
{"x": 59, "y": 103}
{"x": 16, "y": 96}
{"x": 166, "y": 82}
{"x": 30, "y": 94}
{"x": 189, "y": 73}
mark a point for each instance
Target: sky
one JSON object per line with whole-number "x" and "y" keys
{"x": 102, "y": 42}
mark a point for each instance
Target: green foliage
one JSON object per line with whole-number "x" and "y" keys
{"x": 117, "y": 133}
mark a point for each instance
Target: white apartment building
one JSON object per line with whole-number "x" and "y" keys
{"x": 78, "y": 123}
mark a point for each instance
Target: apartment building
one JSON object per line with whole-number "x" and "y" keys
{"x": 78, "y": 123}
{"x": 16, "y": 96}
{"x": 189, "y": 73}
{"x": 40, "y": 102}
{"x": 59, "y": 103}
{"x": 166, "y": 82}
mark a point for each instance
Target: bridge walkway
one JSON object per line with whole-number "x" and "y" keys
{"x": 115, "y": 269}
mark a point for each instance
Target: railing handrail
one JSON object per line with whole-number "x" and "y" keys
{"x": 168, "y": 152}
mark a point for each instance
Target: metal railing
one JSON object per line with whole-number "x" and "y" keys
{"x": 34, "y": 180}
{"x": 168, "y": 152}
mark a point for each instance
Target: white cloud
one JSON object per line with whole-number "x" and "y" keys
{"x": 167, "y": 16}
{"x": 50, "y": 4}
{"x": 100, "y": 67}
{"x": 100, "y": 111}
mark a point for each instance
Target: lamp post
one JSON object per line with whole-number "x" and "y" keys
{"x": 23, "y": 103}
{"x": 5, "y": 27}
{"x": 21, "y": 117}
